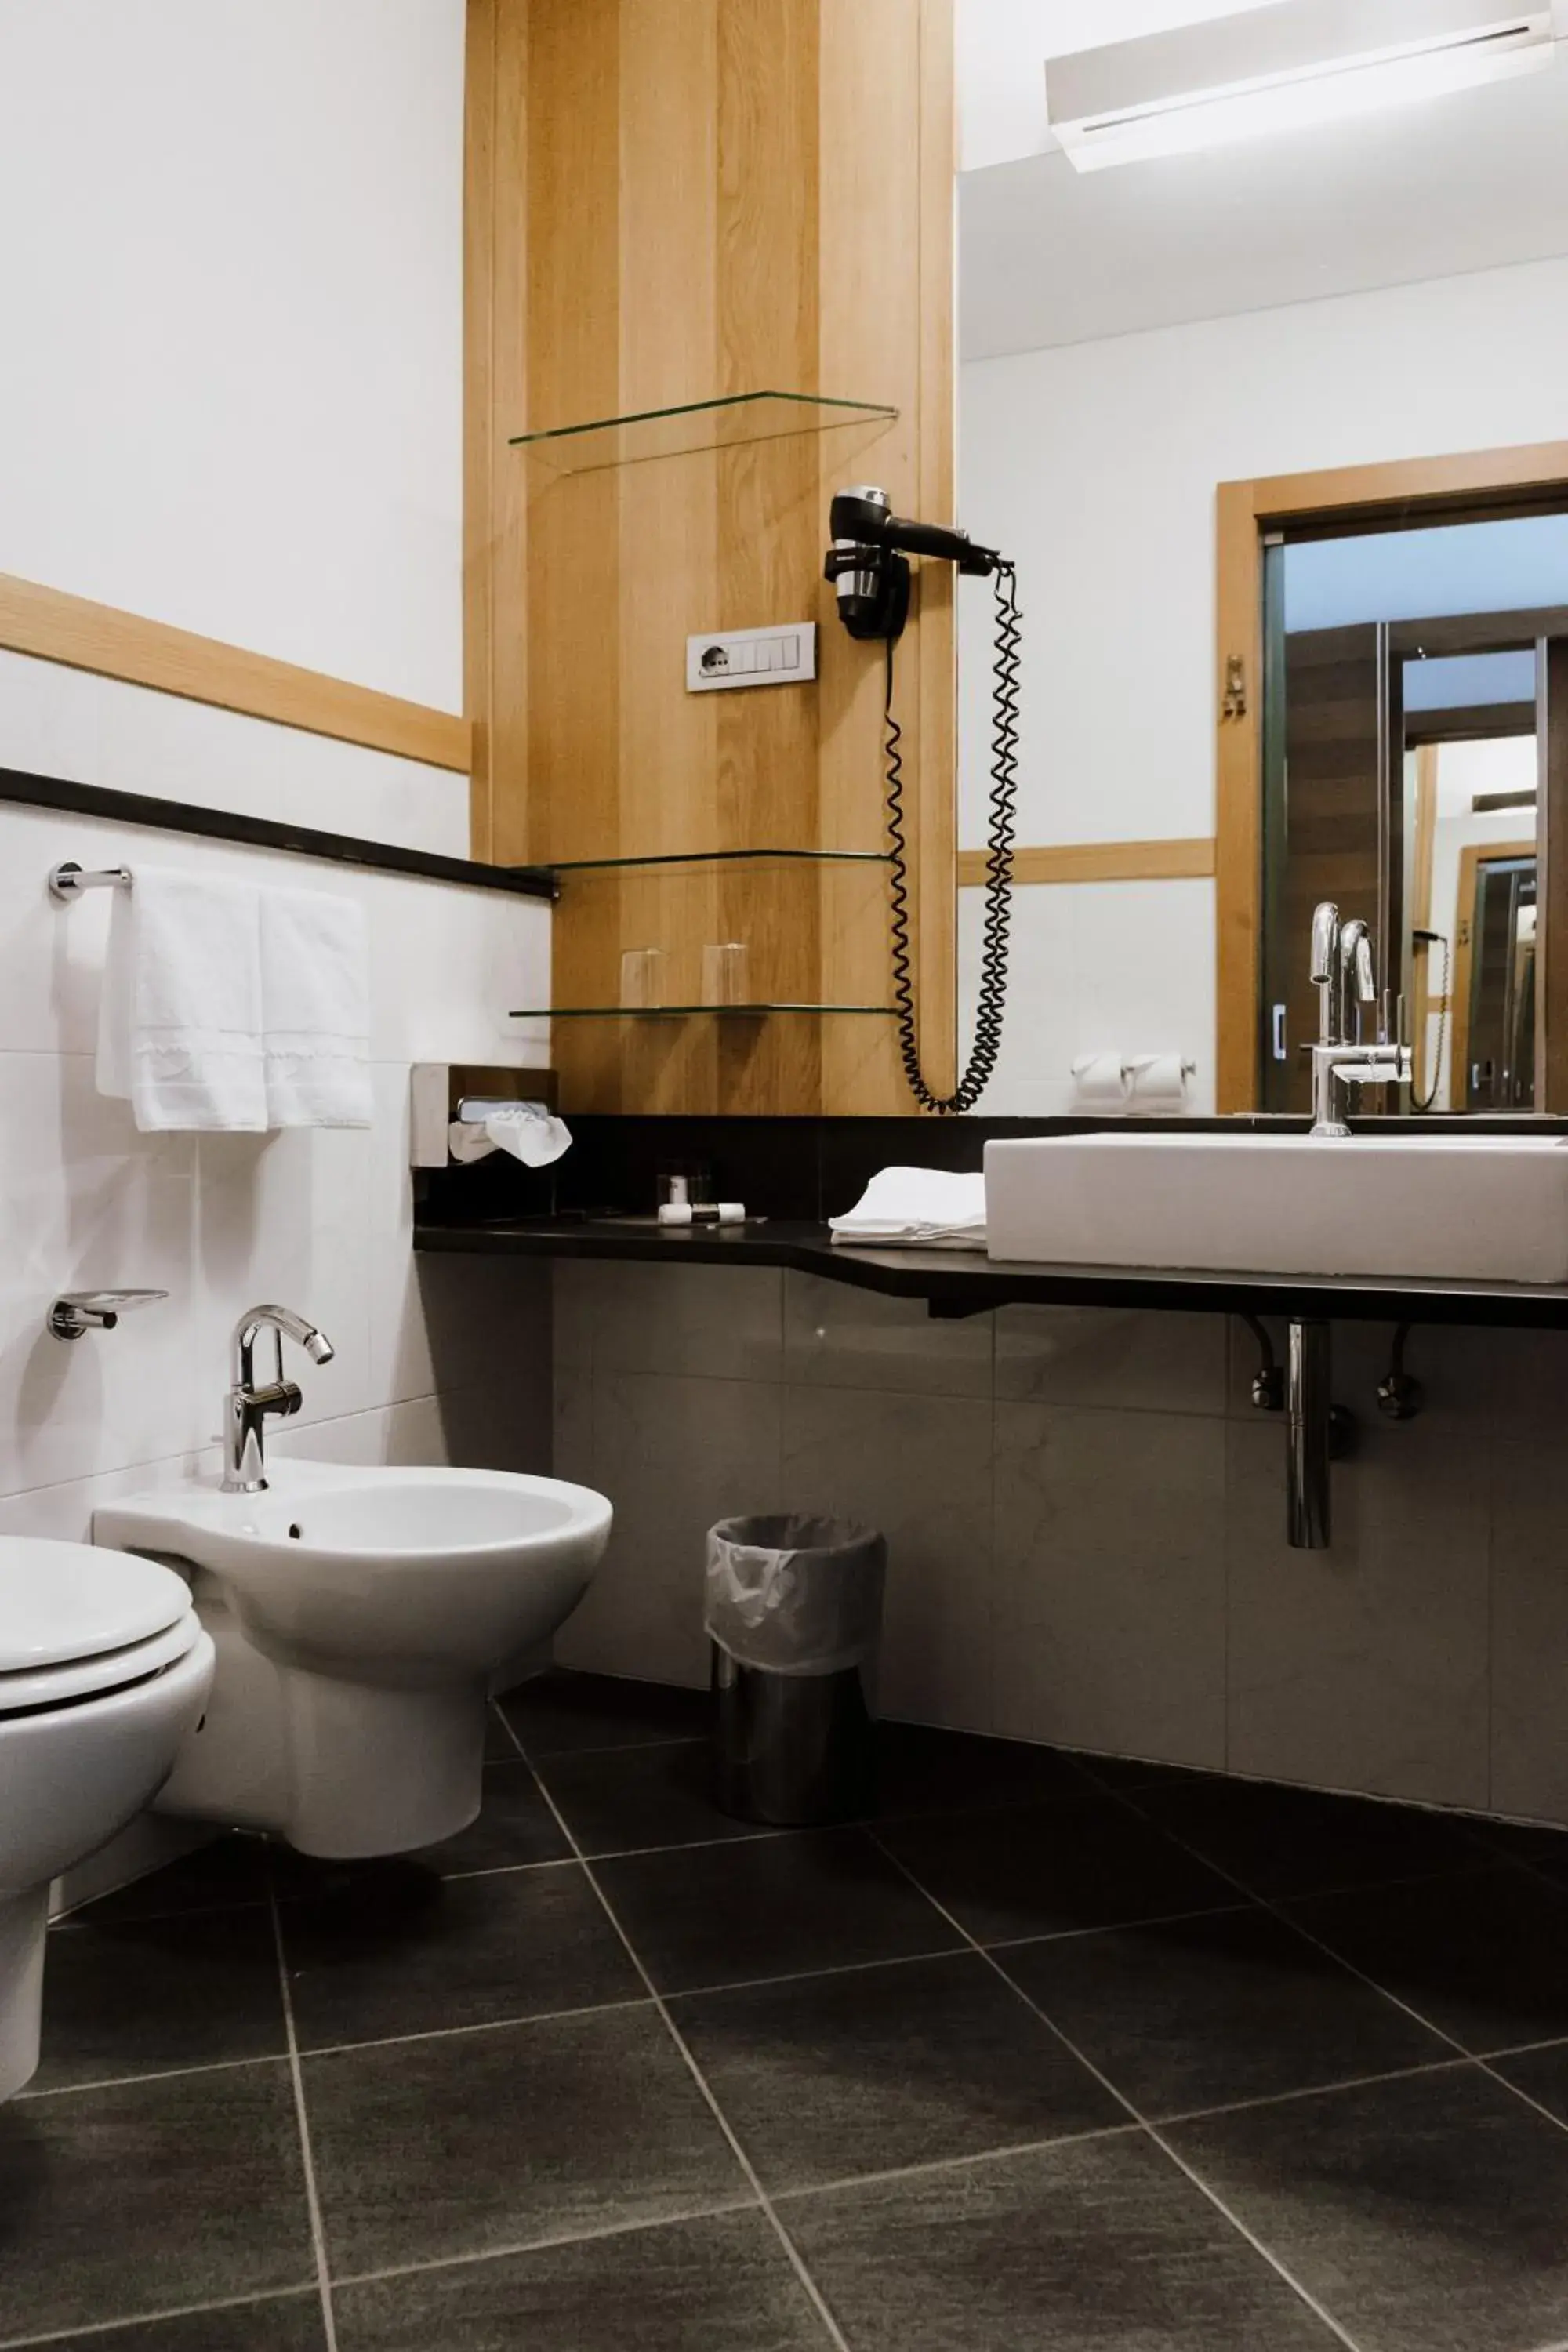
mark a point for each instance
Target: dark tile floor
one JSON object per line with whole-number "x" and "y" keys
{"x": 1050, "y": 2052}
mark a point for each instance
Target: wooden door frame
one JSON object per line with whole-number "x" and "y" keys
{"x": 1245, "y": 511}
{"x": 1472, "y": 858}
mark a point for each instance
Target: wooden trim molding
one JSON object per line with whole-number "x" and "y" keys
{"x": 1098, "y": 861}
{"x": 1244, "y": 512}
{"x": 53, "y": 626}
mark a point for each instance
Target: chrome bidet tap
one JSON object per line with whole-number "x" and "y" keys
{"x": 248, "y": 1406}
{"x": 1343, "y": 975}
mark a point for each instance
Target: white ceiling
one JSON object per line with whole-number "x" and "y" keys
{"x": 1047, "y": 256}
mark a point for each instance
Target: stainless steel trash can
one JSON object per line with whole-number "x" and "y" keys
{"x": 793, "y": 1615}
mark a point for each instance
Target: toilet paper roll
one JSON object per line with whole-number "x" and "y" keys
{"x": 1101, "y": 1085}
{"x": 1158, "y": 1082}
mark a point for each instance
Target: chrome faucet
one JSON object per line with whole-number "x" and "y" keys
{"x": 244, "y": 1468}
{"x": 1343, "y": 975}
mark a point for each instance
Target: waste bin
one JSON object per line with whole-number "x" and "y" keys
{"x": 794, "y": 1608}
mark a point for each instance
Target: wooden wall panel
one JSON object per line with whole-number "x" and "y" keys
{"x": 686, "y": 198}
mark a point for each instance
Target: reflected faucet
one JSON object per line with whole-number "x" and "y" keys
{"x": 244, "y": 1467}
{"x": 1343, "y": 975}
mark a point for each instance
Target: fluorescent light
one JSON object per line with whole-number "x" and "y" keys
{"x": 1279, "y": 69}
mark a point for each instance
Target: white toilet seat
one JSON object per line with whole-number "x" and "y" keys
{"x": 78, "y": 1623}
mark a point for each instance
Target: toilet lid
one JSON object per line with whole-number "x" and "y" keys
{"x": 63, "y": 1603}
{"x": 83, "y": 1678}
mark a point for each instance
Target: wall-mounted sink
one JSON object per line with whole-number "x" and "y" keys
{"x": 1471, "y": 1208}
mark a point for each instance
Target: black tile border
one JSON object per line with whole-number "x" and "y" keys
{"x": 24, "y": 790}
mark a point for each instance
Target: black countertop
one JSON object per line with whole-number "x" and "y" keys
{"x": 966, "y": 1282}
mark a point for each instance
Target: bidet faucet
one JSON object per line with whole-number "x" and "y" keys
{"x": 244, "y": 1467}
{"x": 1343, "y": 974}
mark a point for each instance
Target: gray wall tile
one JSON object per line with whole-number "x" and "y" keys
{"x": 1364, "y": 1666}
{"x": 920, "y": 1469}
{"x": 673, "y": 1455}
{"x": 1111, "y": 1357}
{"x": 839, "y": 1337}
{"x": 1110, "y": 1614}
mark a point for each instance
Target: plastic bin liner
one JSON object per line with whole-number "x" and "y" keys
{"x": 793, "y": 1595}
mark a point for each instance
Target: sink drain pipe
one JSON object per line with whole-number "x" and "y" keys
{"x": 1308, "y": 1410}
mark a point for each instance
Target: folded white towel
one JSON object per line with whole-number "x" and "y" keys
{"x": 930, "y": 1206}
{"x": 179, "y": 1031}
{"x": 315, "y": 994}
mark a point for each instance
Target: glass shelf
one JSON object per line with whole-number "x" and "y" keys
{"x": 682, "y": 1012}
{"x": 724, "y": 423}
{"x": 716, "y": 858}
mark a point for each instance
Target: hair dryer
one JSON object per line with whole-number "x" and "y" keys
{"x": 868, "y": 563}
{"x": 867, "y": 560}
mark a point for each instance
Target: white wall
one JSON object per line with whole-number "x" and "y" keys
{"x": 231, "y": 281}
{"x": 1095, "y": 467}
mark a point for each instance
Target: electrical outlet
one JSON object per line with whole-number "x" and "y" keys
{"x": 780, "y": 656}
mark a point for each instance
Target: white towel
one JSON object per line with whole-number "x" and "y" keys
{"x": 315, "y": 994}
{"x": 179, "y": 1031}
{"x": 929, "y": 1206}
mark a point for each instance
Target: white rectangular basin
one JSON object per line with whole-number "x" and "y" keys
{"x": 1471, "y": 1208}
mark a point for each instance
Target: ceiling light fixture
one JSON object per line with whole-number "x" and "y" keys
{"x": 1280, "y": 67}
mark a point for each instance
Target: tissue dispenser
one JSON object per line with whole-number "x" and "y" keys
{"x": 438, "y": 1089}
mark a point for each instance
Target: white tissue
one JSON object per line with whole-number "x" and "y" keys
{"x": 529, "y": 1131}
{"x": 1158, "y": 1082}
{"x": 466, "y": 1142}
{"x": 1100, "y": 1082}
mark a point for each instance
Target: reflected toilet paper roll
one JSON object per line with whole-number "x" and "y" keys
{"x": 1099, "y": 1082}
{"x": 1158, "y": 1082}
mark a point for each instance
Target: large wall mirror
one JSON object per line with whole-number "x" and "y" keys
{"x": 1276, "y": 432}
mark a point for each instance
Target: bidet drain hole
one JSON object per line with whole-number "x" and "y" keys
{"x": 294, "y": 1532}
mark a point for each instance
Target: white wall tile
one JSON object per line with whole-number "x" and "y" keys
{"x": 1110, "y": 1607}
{"x": 674, "y": 1455}
{"x": 917, "y": 1468}
{"x": 1364, "y": 1666}
{"x": 286, "y": 1218}
{"x": 1122, "y": 1359}
{"x": 65, "y": 1511}
{"x": 838, "y": 1336}
{"x": 88, "y": 1203}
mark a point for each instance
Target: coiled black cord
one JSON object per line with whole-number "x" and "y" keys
{"x": 1418, "y": 1102}
{"x": 998, "y": 873}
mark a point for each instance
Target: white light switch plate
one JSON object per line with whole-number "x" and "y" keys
{"x": 780, "y": 656}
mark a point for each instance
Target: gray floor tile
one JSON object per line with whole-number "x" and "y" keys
{"x": 1099, "y": 2247}
{"x": 119, "y": 2203}
{"x": 1283, "y": 1842}
{"x": 619, "y": 1800}
{"x": 515, "y": 1826}
{"x": 470, "y": 2143}
{"x": 398, "y": 1950}
{"x": 1427, "y": 2214}
{"x": 228, "y": 1870}
{"x": 141, "y": 1996}
{"x": 828, "y": 2076}
{"x": 767, "y": 1908}
{"x": 1231, "y": 2006}
{"x": 289, "y": 2323}
{"x": 1541, "y": 2074}
{"x": 1044, "y": 1870}
{"x": 723, "y": 2284}
{"x": 920, "y": 1771}
{"x": 1484, "y": 1958}
{"x": 1541, "y": 1849}
{"x": 562, "y": 1711}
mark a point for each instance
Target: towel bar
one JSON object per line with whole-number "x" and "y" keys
{"x": 68, "y": 881}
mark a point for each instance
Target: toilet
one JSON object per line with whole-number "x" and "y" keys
{"x": 104, "y": 1669}
{"x": 361, "y": 1617}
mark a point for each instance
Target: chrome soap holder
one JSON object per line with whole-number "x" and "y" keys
{"x": 76, "y": 1311}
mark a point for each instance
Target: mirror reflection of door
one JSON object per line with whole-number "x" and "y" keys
{"x": 1404, "y": 754}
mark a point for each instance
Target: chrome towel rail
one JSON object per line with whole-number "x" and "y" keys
{"x": 68, "y": 881}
